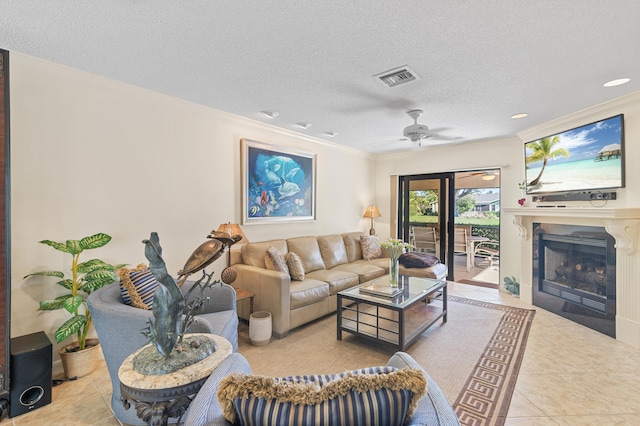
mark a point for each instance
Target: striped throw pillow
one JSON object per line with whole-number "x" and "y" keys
{"x": 370, "y": 396}
{"x": 137, "y": 286}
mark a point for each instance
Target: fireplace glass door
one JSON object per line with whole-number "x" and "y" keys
{"x": 576, "y": 275}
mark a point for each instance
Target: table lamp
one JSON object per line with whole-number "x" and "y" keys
{"x": 372, "y": 212}
{"x": 229, "y": 274}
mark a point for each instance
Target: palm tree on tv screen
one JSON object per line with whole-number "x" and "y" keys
{"x": 543, "y": 150}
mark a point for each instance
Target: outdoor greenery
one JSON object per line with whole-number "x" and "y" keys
{"x": 485, "y": 225}
{"x": 479, "y": 221}
{"x": 465, "y": 204}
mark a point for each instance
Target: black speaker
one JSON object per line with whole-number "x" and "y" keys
{"x": 576, "y": 196}
{"x": 30, "y": 367}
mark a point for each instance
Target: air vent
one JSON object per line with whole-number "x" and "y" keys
{"x": 397, "y": 76}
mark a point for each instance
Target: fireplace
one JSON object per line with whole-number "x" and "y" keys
{"x": 574, "y": 274}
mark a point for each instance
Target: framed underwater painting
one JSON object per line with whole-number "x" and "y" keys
{"x": 278, "y": 183}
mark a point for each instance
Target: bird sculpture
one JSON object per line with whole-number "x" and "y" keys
{"x": 168, "y": 302}
{"x": 207, "y": 253}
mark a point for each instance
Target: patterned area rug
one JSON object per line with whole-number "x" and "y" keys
{"x": 474, "y": 357}
{"x": 485, "y": 398}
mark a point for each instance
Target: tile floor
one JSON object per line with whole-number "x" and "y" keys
{"x": 570, "y": 375}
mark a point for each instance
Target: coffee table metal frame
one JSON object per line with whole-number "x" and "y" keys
{"x": 384, "y": 319}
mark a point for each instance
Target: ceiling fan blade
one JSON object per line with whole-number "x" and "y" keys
{"x": 472, "y": 174}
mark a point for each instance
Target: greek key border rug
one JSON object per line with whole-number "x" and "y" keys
{"x": 474, "y": 357}
{"x": 486, "y": 396}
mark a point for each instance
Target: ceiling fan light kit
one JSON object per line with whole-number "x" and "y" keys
{"x": 416, "y": 131}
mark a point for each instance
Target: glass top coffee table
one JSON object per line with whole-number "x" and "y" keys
{"x": 368, "y": 311}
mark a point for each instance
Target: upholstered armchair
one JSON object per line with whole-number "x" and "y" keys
{"x": 433, "y": 408}
{"x": 118, "y": 326}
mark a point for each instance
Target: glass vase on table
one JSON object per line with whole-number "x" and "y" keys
{"x": 394, "y": 272}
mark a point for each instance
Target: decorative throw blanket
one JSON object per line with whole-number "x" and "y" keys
{"x": 417, "y": 260}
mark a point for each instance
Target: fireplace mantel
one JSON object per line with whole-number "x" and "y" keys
{"x": 622, "y": 223}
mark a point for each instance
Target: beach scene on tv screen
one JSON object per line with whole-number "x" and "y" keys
{"x": 584, "y": 158}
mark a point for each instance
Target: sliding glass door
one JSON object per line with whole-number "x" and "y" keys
{"x": 426, "y": 206}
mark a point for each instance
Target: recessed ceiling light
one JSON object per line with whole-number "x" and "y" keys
{"x": 330, "y": 134}
{"x": 303, "y": 125}
{"x": 519, "y": 115}
{"x": 616, "y": 82}
{"x": 269, "y": 114}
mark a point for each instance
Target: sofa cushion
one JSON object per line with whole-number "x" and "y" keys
{"x": 370, "y": 396}
{"x": 439, "y": 271}
{"x": 296, "y": 268}
{"x": 366, "y": 271}
{"x": 415, "y": 259}
{"x": 309, "y": 251}
{"x": 274, "y": 260}
{"x": 371, "y": 248}
{"x": 253, "y": 253}
{"x": 338, "y": 280}
{"x": 306, "y": 292}
{"x": 332, "y": 250}
{"x": 352, "y": 245}
{"x": 137, "y": 286}
{"x": 381, "y": 262}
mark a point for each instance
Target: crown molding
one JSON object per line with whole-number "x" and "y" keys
{"x": 580, "y": 118}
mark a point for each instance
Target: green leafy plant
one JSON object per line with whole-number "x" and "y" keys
{"x": 85, "y": 278}
{"x": 512, "y": 285}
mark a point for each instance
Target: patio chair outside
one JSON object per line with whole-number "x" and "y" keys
{"x": 425, "y": 240}
{"x": 489, "y": 251}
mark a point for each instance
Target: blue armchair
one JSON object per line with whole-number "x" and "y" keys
{"x": 118, "y": 327}
{"x": 433, "y": 408}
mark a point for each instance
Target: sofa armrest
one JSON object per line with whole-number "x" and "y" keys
{"x": 433, "y": 408}
{"x": 219, "y": 297}
{"x": 205, "y": 409}
{"x": 272, "y": 291}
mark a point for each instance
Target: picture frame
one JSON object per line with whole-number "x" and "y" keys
{"x": 278, "y": 183}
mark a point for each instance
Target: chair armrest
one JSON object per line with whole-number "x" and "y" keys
{"x": 272, "y": 291}
{"x": 205, "y": 409}
{"x": 433, "y": 408}
{"x": 219, "y": 297}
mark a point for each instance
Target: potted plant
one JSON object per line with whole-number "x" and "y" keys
{"x": 78, "y": 358}
{"x": 512, "y": 285}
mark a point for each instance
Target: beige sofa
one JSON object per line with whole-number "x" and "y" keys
{"x": 332, "y": 263}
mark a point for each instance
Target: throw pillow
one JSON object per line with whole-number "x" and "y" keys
{"x": 137, "y": 286}
{"x": 370, "y": 396}
{"x": 371, "y": 248}
{"x": 274, "y": 260}
{"x": 417, "y": 260}
{"x": 296, "y": 268}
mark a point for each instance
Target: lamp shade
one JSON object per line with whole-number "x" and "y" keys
{"x": 371, "y": 212}
{"x": 233, "y": 229}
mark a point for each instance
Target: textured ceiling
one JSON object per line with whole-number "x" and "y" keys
{"x": 478, "y": 62}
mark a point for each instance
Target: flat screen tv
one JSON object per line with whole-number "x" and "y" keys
{"x": 587, "y": 158}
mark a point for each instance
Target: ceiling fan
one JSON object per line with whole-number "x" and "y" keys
{"x": 484, "y": 175}
{"x": 417, "y": 132}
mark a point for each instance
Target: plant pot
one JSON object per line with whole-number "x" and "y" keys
{"x": 80, "y": 363}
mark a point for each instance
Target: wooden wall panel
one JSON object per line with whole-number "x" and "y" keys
{"x": 5, "y": 284}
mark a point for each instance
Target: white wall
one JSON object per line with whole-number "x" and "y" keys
{"x": 92, "y": 155}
